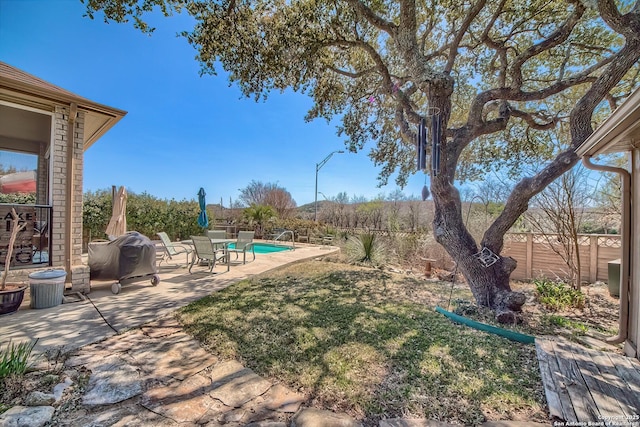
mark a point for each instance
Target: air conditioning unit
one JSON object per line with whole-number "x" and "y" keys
{"x": 614, "y": 277}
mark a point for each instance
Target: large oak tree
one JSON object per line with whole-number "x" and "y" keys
{"x": 513, "y": 82}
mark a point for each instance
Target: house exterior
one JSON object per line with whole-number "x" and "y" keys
{"x": 621, "y": 133}
{"x": 48, "y": 129}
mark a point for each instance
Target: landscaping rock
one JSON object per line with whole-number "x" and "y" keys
{"x": 38, "y": 398}
{"x": 59, "y": 389}
{"x": 112, "y": 381}
{"x": 281, "y": 399}
{"x": 267, "y": 424}
{"x": 26, "y": 416}
{"x": 412, "y": 422}
{"x": 311, "y": 417}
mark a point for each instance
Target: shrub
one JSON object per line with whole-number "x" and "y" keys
{"x": 365, "y": 248}
{"x": 556, "y": 295}
{"x": 576, "y": 328}
{"x": 146, "y": 214}
{"x": 14, "y": 358}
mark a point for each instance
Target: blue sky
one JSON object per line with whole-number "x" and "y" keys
{"x": 182, "y": 131}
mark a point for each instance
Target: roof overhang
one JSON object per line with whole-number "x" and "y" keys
{"x": 619, "y": 132}
{"x": 18, "y": 87}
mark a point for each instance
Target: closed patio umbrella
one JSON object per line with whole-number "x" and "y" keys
{"x": 203, "y": 221}
{"x": 118, "y": 222}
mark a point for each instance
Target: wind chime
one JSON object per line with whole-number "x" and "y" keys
{"x": 433, "y": 134}
{"x": 429, "y": 134}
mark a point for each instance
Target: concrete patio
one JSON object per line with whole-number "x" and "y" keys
{"x": 103, "y": 314}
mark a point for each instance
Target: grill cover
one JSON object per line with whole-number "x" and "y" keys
{"x": 130, "y": 255}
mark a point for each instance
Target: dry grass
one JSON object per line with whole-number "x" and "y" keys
{"x": 369, "y": 343}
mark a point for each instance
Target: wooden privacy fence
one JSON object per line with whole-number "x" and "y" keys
{"x": 537, "y": 257}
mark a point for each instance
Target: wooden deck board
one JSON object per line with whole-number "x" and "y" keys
{"x": 586, "y": 385}
{"x": 606, "y": 395}
{"x": 581, "y": 399}
{"x": 630, "y": 402}
{"x": 557, "y": 397}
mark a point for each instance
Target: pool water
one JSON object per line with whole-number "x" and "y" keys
{"x": 265, "y": 248}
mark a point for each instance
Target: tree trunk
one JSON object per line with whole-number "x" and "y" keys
{"x": 489, "y": 284}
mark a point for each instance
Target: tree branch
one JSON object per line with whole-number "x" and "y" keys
{"x": 530, "y": 119}
{"x": 619, "y": 64}
{"x": 350, "y": 74}
{"x": 518, "y": 201}
{"x": 453, "y": 49}
{"x": 626, "y": 24}
{"x": 557, "y": 37}
{"x": 369, "y": 15}
{"x": 580, "y": 125}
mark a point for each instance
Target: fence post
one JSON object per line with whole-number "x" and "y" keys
{"x": 593, "y": 258}
{"x": 529, "y": 260}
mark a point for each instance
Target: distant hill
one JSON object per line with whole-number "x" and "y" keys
{"x": 310, "y": 207}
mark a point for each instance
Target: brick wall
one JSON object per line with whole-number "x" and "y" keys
{"x": 43, "y": 176}
{"x": 62, "y": 133}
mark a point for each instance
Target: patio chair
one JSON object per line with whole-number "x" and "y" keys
{"x": 217, "y": 234}
{"x": 303, "y": 235}
{"x": 205, "y": 252}
{"x": 172, "y": 249}
{"x": 244, "y": 244}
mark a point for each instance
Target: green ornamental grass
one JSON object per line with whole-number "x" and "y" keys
{"x": 14, "y": 358}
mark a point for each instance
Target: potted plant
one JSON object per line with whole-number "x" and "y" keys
{"x": 11, "y": 294}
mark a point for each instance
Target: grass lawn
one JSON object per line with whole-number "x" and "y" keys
{"x": 369, "y": 343}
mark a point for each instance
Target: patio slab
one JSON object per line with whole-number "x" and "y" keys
{"x": 103, "y": 314}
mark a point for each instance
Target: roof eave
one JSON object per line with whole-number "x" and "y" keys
{"x": 62, "y": 98}
{"x": 108, "y": 115}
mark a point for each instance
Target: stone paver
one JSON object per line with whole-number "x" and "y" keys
{"x": 312, "y": 417}
{"x": 161, "y": 327}
{"x": 112, "y": 381}
{"x": 175, "y": 356}
{"x": 280, "y": 398}
{"x": 23, "y": 416}
{"x": 182, "y": 401}
{"x": 234, "y": 387}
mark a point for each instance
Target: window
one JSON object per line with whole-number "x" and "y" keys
{"x": 18, "y": 177}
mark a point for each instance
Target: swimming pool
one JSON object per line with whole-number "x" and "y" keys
{"x": 266, "y": 248}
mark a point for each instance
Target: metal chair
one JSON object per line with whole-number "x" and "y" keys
{"x": 172, "y": 249}
{"x": 244, "y": 244}
{"x": 217, "y": 234}
{"x": 205, "y": 252}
